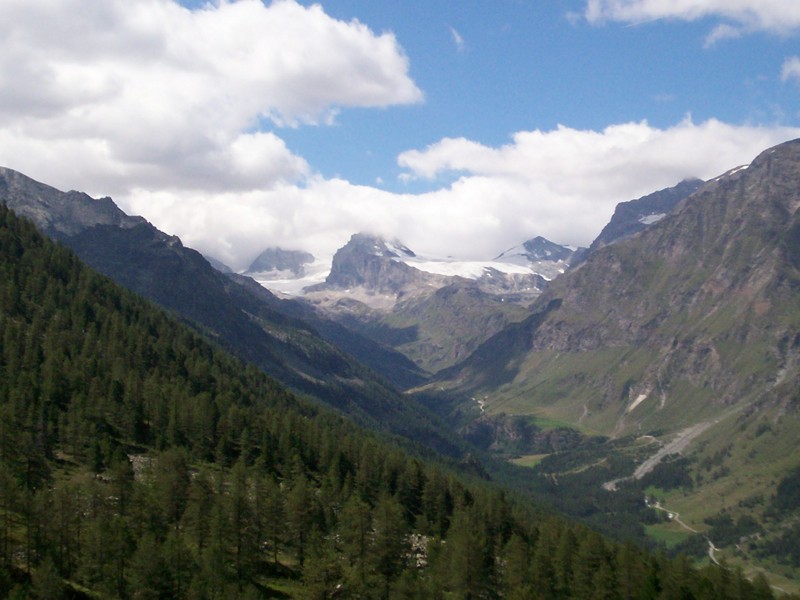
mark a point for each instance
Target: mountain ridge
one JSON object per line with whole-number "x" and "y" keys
{"x": 635, "y": 215}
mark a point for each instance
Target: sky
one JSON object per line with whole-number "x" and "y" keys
{"x": 460, "y": 128}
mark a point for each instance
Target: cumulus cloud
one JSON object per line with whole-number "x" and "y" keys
{"x": 562, "y": 184}
{"x": 153, "y": 94}
{"x": 177, "y": 114}
{"x": 791, "y": 69}
{"x": 774, "y": 16}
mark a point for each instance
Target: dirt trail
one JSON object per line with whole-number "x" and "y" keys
{"x": 674, "y": 516}
{"x": 584, "y": 414}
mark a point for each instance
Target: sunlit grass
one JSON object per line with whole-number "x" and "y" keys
{"x": 669, "y": 534}
{"x": 530, "y": 460}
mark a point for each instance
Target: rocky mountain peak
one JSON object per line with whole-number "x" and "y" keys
{"x": 365, "y": 243}
{"x": 372, "y": 262}
{"x": 536, "y": 250}
{"x": 280, "y": 260}
{"x": 635, "y": 215}
{"x": 56, "y": 213}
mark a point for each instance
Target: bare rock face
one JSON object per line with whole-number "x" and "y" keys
{"x": 55, "y": 213}
{"x": 372, "y": 263}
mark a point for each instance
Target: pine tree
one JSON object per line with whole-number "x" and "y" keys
{"x": 301, "y": 514}
{"x": 171, "y": 484}
{"x": 389, "y": 547}
{"x": 517, "y": 573}
{"x": 322, "y": 572}
{"x": 273, "y": 515}
{"x": 466, "y": 551}
{"x": 241, "y": 523}
{"x": 354, "y": 530}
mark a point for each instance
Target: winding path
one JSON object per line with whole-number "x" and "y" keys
{"x": 674, "y": 516}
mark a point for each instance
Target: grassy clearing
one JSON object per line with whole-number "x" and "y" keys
{"x": 530, "y": 460}
{"x": 669, "y": 534}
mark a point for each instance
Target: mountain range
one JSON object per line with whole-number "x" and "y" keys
{"x": 664, "y": 360}
{"x": 437, "y": 311}
{"x": 434, "y": 311}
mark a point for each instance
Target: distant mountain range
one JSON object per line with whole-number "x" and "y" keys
{"x": 296, "y": 273}
{"x": 434, "y": 311}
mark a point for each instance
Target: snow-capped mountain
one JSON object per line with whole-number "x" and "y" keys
{"x": 434, "y": 310}
{"x": 374, "y": 263}
{"x": 539, "y": 255}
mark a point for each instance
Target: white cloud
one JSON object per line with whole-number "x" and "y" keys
{"x": 774, "y": 16}
{"x": 151, "y": 94}
{"x": 791, "y": 69}
{"x": 563, "y": 184}
{"x": 722, "y": 32}
{"x": 176, "y": 114}
{"x": 458, "y": 40}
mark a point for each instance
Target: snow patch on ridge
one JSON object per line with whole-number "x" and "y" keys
{"x": 650, "y": 219}
{"x": 467, "y": 269}
{"x": 639, "y": 399}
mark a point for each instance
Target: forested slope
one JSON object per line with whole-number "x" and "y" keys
{"x": 138, "y": 461}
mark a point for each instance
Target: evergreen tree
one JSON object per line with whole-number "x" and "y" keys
{"x": 389, "y": 547}
{"x": 47, "y": 583}
{"x": 301, "y": 515}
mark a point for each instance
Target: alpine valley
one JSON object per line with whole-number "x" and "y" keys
{"x": 647, "y": 386}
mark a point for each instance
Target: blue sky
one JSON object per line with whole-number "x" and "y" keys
{"x": 462, "y": 128}
{"x": 491, "y": 68}
{"x": 536, "y": 64}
